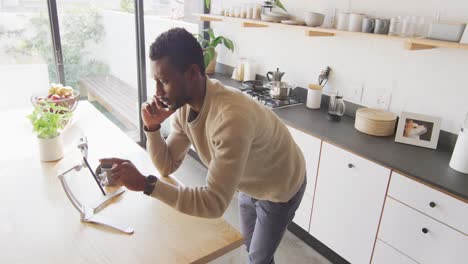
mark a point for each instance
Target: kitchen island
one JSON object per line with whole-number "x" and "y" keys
{"x": 39, "y": 224}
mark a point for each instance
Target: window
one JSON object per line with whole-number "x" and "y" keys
{"x": 160, "y": 16}
{"x": 26, "y": 54}
{"x": 99, "y": 55}
{"x": 98, "y": 48}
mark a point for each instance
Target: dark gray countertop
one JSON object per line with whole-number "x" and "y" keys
{"x": 429, "y": 166}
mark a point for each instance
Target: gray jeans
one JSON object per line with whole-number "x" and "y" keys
{"x": 263, "y": 224}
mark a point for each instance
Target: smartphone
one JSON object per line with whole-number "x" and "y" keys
{"x": 98, "y": 182}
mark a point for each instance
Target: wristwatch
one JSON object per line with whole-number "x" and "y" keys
{"x": 150, "y": 183}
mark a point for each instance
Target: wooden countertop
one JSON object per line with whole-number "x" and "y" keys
{"x": 39, "y": 225}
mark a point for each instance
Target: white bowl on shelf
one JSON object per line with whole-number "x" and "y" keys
{"x": 278, "y": 14}
{"x": 293, "y": 22}
{"x": 269, "y": 18}
{"x": 313, "y": 19}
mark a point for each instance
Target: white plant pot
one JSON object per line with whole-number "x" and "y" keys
{"x": 50, "y": 149}
{"x": 210, "y": 69}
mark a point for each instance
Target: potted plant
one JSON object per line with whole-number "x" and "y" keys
{"x": 48, "y": 120}
{"x": 209, "y": 52}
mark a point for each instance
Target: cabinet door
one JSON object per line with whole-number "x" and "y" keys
{"x": 348, "y": 203}
{"x": 302, "y": 217}
{"x": 310, "y": 147}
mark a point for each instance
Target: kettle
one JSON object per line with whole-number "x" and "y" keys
{"x": 275, "y": 76}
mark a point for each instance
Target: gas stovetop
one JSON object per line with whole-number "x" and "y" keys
{"x": 263, "y": 96}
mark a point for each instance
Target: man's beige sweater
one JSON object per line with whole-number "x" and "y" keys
{"x": 245, "y": 146}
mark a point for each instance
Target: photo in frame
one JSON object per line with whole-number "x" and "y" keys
{"x": 419, "y": 130}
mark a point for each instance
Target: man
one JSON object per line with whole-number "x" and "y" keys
{"x": 245, "y": 146}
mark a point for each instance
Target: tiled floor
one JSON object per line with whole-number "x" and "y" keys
{"x": 291, "y": 249}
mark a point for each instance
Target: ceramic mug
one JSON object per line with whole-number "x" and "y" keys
{"x": 104, "y": 174}
{"x": 342, "y": 21}
{"x": 368, "y": 25}
{"x": 314, "y": 96}
{"x": 355, "y": 22}
{"x": 381, "y": 26}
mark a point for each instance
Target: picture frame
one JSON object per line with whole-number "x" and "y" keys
{"x": 418, "y": 129}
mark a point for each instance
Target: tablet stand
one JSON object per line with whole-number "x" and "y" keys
{"x": 89, "y": 214}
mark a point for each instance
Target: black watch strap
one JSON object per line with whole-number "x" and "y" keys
{"x": 150, "y": 183}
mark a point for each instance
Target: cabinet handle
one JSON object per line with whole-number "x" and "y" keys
{"x": 350, "y": 165}
{"x": 432, "y": 204}
{"x": 425, "y": 230}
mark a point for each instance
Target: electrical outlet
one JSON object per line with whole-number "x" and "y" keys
{"x": 383, "y": 101}
{"x": 356, "y": 93}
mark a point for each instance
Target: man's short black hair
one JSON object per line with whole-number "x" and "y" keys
{"x": 181, "y": 47}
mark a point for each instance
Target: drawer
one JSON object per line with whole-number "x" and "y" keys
{"x": 420, "y": 237}
{"x": 432, "y": 202}
{"x": 385, "y": 254}
{"x": 302, "y": 217}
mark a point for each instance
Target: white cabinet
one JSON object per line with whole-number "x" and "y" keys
{"x": 421, "y": 237}
{"x": 385, "y": 254}
{"x": 310, "y": 147}
{"x": 429, "y": 201}
{"x": 348, "y": 203}
{"x": 302, "y": 217}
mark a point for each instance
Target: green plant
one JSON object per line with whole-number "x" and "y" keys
{"x": 279, "y": 4}
{"x": 210, "y": 44}
{"x": 48, "y": 119}
{"x": 79, "y": 28}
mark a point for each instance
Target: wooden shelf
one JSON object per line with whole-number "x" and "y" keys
{"x": 419, "y": 44}
{"x": 409, "y": 43}
{"x": 207, "y": 17}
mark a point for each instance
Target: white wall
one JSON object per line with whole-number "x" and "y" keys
{"x": 432, "y": 82}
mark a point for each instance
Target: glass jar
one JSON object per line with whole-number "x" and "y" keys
{"x": 256, "y": 11}
{"x": 267, "y": 7}
{"x": 237, "y": 11}
{"x": 395, "y": 26}
{"x": 408, "y": 27}
{"x": 422, "y": 27}
{"x": 243, "y": 13}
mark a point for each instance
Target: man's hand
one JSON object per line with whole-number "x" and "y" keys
{"x": 126, "y": 174}
{"x": 153, "y": 114}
